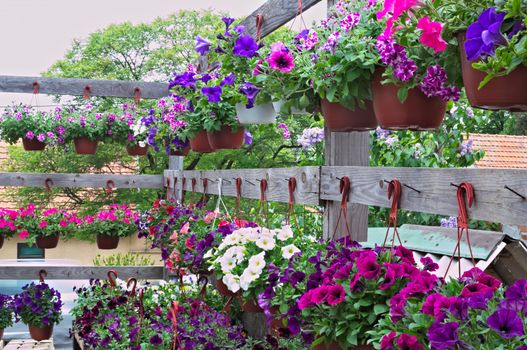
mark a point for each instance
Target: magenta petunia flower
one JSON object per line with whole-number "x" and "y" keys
{"x": 506, "y": 323}
{"x": 473, "y": 289}
{"x": 306, "y": 300}
{"x": 490, "y": 281}
{"x": 429, "y": 264}
{"x": 431, "y": 35}
{"x": 387, "y": 341}
{"x": 282, "y": 61}
{"x": 320, "y": 294}
{"x": 30, "y": 135}
{"x": 41, "y": 137}
{"x": 389, "y": 279}
{"x": 408, "y": 342}
{"x": 336, "y": 295}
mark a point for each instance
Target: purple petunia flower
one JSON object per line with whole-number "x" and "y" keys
{"x": 250, "y": 91}
{"x": 444, "y": 336}
{"x": 202, "y": 45}
{"x": 213, "y": 93}
{"x": 248, "y": 137}
{"x": 285, "y": 131}
{"x": 332, "y": 42}
{"x": 506, "y": 323}
{"x": 228, "y": 80}
{"x": 245, "y": 46}
{"x": 156, "y": 340}
{"x": 41, "y": 137}
{"x": 30, "y": 135}
{"x": 484, "y": 35}
{"x": 228, "y": 21}
{"x": 410, "y": 342}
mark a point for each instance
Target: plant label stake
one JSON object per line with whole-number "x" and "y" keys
{"x": 345, "y": 189}
{"x": 394, "y": 193}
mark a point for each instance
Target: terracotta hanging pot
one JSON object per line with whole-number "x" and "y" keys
{"x": 33, "y": 145}
{"x": 84, "y": 145}
{"x": 418, "y": 112}
{"x": 200, "y": 143}
{"x": 107, "y": 241}
{"x": 223, "y": 289}
{"x": 259, "y": 114}
{"x": 507, "y": 92}
{"x": 251, "y": 306}
{"x": 47, "y": 242}
{"x": 180, "y": 152}
{"x": 1, "y": 333}
{"x": 39, "y": 334}
{"x": 1, "y": 245}
{"x": 226, "y": 138}
{"x": 339, "y": 118}
{"x": 335, "y": 346}
{"x": 137, "y": 150}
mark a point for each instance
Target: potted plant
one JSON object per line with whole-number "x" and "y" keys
{"x": 34, "y": 128}
{"x": 411, "y": 88}
{"x": 169, "y": 125}
{"x": 494, "y": 67}
{"x": 86, "y": 128}
{"x": 7, "y": 313}
{"x": 338, "y": 61}
{"x": 109, "y": 225}
{"x": 39, "y": 306}
{"x": 7, "y": 224}
{"x": 35, "y": 229}
{"x": 128, "y": 128}
{"x": 51, "y": 224}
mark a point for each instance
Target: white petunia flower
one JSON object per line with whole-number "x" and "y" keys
{"x": 248, "y": 276}
{"x": 257, "y": 262}
{"x": 227, "y": 263}
{"x": 237, "y": 252}
{"x": 289, "y": 250}
{"x": 285, "y": 233}
{"x": 232, "y": 239}
{"x": 266, "y": 242}
{"x": 232, "y": 282}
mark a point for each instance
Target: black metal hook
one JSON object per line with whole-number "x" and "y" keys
{"x": 413, "y": 189}
{"x": 210, "y": 180}
{"x": 513, "y": 191}
{"x": 452, "y": 184}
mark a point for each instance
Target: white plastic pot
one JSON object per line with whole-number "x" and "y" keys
{"x": 259, "y": 114}
{"x": 279, "y": 104}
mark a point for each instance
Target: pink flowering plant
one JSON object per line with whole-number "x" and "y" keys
{"x": 166, "y": 125}
{"x": 350, "y": 291}
{"x": 417, "y": 50}
{"x": 8, "y": 226}
{"x": 19, "y": 122}
{"x": 55, "y": 221}
{"x": 117, "y": 221}
{"x": 86, "y": 122}
{"x": 473, "y": 312}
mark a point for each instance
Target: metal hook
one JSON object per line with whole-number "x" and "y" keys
{"x": 513, "y": 191}
{"x": 452, "y": 184}
{"x": 210, "y": 180}
{"x": 227, "y": 181}
{"x": 410, "y": 187}
{"x": 48, "y": 183}
{"x": 252, "y": 183}
{"x": 42, "y": 274}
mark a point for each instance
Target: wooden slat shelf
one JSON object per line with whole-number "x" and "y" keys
{"x": 29, "y": 344}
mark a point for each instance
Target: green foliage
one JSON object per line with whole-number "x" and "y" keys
{"x": 7, "y": 311}
{"x": 127, "y": 259}
{"x": 20, "y": 121}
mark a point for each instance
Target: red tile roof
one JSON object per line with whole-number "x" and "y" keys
{"x": 501, "y": 151}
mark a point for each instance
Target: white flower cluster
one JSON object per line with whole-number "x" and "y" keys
{"x": 233, "y": 251}
{"x": 139, "y": 129}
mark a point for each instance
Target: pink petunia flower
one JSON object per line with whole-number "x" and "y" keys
{"x": 431, "y": 35}
{"x": 282, "y": 61}
{"x": 43, "y": 224}
{"x": 23, "y": 234}
{"x": 336, "y": 295}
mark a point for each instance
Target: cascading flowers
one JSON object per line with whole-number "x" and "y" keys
{"x": 38, "y": 305}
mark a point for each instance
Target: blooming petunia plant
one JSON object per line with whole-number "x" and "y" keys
{"x": 116, "y": 221}
{"x": 38, "y": 305}
{"x": 7, "y": 311}
{"x": 8, "y": 226}
{"x": 85, "y": 121}
{"x": 25, "y": 122}
{"x": 165, "y": 125}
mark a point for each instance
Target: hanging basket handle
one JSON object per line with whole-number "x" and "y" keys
{"x": 87, "y": 92}
{"x": 205, "y": 184}
{"x": 137, "y": 95}
{"x": 112, "y": 276}
{"x": 259, "y": 22}
{"x": 167, "y": 184}
{"x": 36, "y": 87}
{"x": 110, "y": 185}
{"x": 41, "y": 275}
{"x": 132, "y": 282}
{"x": 345, "y": 189}
{"x": 291, "y": 186}
{"x": 47, "y": 184}
{"x": 203, "y": 292}
{"x": 183, "y": 182}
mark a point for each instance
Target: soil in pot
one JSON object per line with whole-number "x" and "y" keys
{"x": 1, "y": 245}
{"x": 507, "y": 92}
{"x": 33, "y": 145}
{"x": 137, "y": 150}
{"x": 84, "y": 145}
{"x": 417, "y": 112}
{"x": 336, "y": 346}
{"x": 226, "y": 138}
{"x": 222, "y": 289}
{"x": 47, "y": 242}
{"x": 200, "y": 143}
{"x": 180, "y": 152}
{"x": 40, "y": 334}
{"x": 251, "y": 306}
{"x": 107, "y": 242}
{"x": 339, "y": 118}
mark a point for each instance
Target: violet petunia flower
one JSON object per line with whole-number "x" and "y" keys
{"x": 213, "y": 93}
{"x": 444, "y": 336}
{"x": 410, "y": 342}
{"x": 248, "y": 137}
{"x": 484, "y": 35}
{"x": 228, "y": 21}
{"x": 506, "y": 323}
{"x": 202, "y": 45}
{"x": 245, "y": 46}
{"x": 250, "y": 91}
{"x": 228, "y": 80}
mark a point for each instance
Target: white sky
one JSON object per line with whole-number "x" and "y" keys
{"x": 36, "y": 33}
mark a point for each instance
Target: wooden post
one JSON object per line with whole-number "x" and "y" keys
{"x": 346, "y": 149}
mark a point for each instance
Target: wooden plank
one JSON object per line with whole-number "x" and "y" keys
{"x": 275, "y": 14}
{"x": 75, "y": 87}
{"x": 307, "y": 183}
{"x": 80, "y": 180}
{"x": 492, "y": 201}
{"x": 30, "y": 344}
{"x": 31, "y": 272}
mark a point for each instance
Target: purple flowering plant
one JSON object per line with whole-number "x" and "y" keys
{"x": 85, "y": 121}
{"x": 165, "y": 125}
{"x": 472, "y": 312}
{"x": 25, "y": 122}
{"x": 7, "y": 311}
{"x": 38, "y": 305}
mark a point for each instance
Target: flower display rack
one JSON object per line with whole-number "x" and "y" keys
{"x": 29, "y": 344}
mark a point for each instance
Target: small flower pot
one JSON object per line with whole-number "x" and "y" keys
{"x": 1, "y": 245}
{"x": 84, "y": 145}
{"x": 259, "y": 114}
{"x": 223, "y": 289}
{"x": 47, "y": 242}
{"x": 226, "y": 138}
{"x": 335, "y": 346}
{"x": 251, "y": 306}
{"x": 339, "y": 118}
{"x": 180, "y": 152}
{"x": 418, "y": 112}
{"x": 1, "y": 333}
{"x": 137, "y": 150}
{"x": 39, "y": 334}
{"x": 33, "y": 145}
{"x": 107, "y": 242}
{"x": 505, "y": 92}
{"x": 200, "y": 143}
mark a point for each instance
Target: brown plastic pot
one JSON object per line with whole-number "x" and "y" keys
{"x": 223, "y": 290}
{"x": 33, "y": 145}
{"x": 1, "y": 333}
{"x": 200, "y": 143}
{"x": 339, "y": 118}
{"x": 180, "y": 152}
{"x": 507, "y": 92}
{"x": 107, "y": 242}
{"x": 84, "y": 145}
{"x": 137, "y": 150}
{"x": 1, "y": 245}
{"x": 251, "y": 306}
{"x": 226, "y": 138}
{"x": 47, "y": 242}
{"x": 40, "y": 334}
{"x": 418, "y": 112}
{"x": 335, "y": 346}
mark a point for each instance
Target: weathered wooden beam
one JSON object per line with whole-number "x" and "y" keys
{"x": 80, "y": 180}
{"x": 76, "y": 87}
{"x": 307, "y": 191}
{"x": 493, "y": 202}
{"x": 275, "y": 14}
{"x": 21, "y": 271}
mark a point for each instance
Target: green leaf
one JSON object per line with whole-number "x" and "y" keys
{"x": 380, "y": 309}
{"x": 402, "y": 94}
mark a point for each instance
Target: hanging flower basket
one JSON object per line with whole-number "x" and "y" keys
{"x": 137, "y": 150}
{"x": 506, "y": 92}
{"x": 200, "y": 143}
{"x": 1, "y": 334}
{"x": 418, "y": 112}
{"x": 339, "y": 118}
{"x": 251, "y": 306}
{"x": 40, "y": 333}
{"x": 47, "y": 242}
{"x": 259, "y": 114}
{"x": 84, "y": 145}
{"x": 107, "y": 242}
{"x": 336, "y": 346}
{"x": 226, "y": 138}
{"x": 180, "y": 152}
{"x": 33, "y": 145}
{"x": 223, "y": 289}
